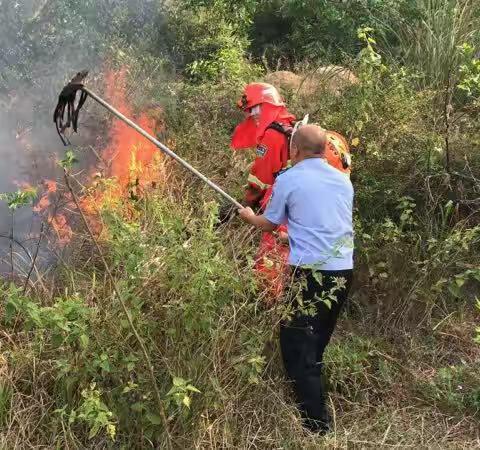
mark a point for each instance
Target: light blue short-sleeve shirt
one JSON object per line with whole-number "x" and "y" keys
{"x": 315, "y": 200}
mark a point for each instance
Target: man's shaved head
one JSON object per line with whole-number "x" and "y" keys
{"x": 310, "y": 140}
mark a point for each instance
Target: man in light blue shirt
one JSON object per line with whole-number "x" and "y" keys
{"x": 315, "y": 200}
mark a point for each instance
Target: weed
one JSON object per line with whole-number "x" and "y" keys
{"x": 5, "y": 402}
{"x": 455, "y": 389}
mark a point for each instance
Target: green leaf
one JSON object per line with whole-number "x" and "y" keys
{"x": 69, "y": 160}
{"x": 138, "y": 406}
{"x": 454, "y": 290}
{"x": 317, "y": 275}
{"x": 10, "y": 311}
{"x": 154, "y": 419}
{"x": 477, "y": 338}
{"x": 187, "y": 401}
{"x": 20, "y": 198}
{"x": 130, "y": 387}
{"x": 193, "y": 389}
{"x": 359, "y": 125}
{"x": 476, "y": 275}
{"x": 57, "y": 340}
{"x": 171, "y": 391}
{"x": 94, "y": 430}
{"x": 84, "y": 341}
{"x": 105, "y": 365}
{"x": 177, "y": 381}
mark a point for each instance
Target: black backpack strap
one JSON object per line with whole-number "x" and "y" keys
{"x": 287, "y": 131}
{"x": 282, "y": 171}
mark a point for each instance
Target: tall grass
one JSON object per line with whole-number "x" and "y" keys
{"x": 430, "y": 44}
{"x": 74, "y": 378}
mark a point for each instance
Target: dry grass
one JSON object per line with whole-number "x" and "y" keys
{"x": 331, "y": 79}
{"x": 375, "y": 400}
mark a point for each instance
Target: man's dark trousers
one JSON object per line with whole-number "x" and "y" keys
{"x": 304, "y": 338}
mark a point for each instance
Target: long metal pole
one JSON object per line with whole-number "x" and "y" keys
{"x": 162, "y": 147}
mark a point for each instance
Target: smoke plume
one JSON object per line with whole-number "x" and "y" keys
{"x": 43, "y": 43}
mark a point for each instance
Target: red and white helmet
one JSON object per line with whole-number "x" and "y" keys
{"x": 257, "y": 93}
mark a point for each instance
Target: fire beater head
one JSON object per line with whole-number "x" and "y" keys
{"x": 66, "y": 100}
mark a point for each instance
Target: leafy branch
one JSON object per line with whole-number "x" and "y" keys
{"x": 67, "y": 164}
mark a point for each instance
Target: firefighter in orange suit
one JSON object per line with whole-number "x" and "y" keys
{"x": 267, "y": 127}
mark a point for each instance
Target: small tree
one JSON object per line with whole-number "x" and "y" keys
{"x": 16, "y": 200}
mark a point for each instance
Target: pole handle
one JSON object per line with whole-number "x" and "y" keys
{"x": 162, "y": 147}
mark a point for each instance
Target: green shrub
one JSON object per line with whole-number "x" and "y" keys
{"x": 454, "y": 388}
{"x": 326, "y": 31}
{"x": 357, "y": 370}
{"x": 208, "y": 40}
{"x": 5, "y": 401}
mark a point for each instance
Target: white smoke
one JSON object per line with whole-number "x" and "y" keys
{"x": 43, "y": 43}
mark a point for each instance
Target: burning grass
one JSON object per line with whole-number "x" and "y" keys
{"x": 128, "y": 166}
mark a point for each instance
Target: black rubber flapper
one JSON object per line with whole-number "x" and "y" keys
{"x": 66, "y": 100}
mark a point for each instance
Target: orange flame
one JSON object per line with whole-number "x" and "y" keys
{"x": 132, "y": 157}
{"x": 44, "y": 202}
{"x": 56, "y": 219}
{"x": 131, "y": 160}
{"x": 61, "y": 227}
